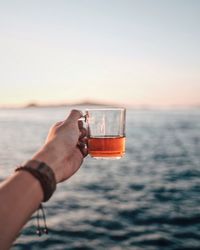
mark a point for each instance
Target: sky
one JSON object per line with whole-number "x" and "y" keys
{"x": 130, "y": 52}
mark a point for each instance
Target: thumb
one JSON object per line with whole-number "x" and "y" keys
{"x": 74, "y": 115}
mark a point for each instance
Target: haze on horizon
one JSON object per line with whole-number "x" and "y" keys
{"x": 118, "y": 51}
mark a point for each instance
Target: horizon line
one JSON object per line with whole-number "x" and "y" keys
{"x": 37, "y": 104}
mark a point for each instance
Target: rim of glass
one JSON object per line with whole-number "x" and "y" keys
{"x": 106, "y": 109}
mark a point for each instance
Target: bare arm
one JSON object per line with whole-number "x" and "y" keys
{"x": 21, "y": 193}
{"x": 20, "y": 196}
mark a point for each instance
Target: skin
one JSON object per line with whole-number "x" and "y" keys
{"x": 63, "y": 151}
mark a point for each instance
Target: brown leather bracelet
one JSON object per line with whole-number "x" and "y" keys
{"x": 44, "y": 174}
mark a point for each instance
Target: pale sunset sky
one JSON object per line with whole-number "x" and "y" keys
{"x": 136, "y": 52}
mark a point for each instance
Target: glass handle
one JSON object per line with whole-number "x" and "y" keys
{"x": 83, "y": 118}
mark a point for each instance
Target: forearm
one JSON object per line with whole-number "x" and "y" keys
{"x": 22, "y": 193}
{"x": 20, "y": 196}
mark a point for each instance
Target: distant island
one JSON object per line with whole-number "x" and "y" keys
{"x": 91, "y": 103}
{"x": 84, "y": 103}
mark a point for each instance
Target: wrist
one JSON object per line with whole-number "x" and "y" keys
{"x": 43, "y": 173}
{"x": 48, "y": 156}
{"x": 28, "y": 180}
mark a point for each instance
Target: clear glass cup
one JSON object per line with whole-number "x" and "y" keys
{"x": 106, "y": 132}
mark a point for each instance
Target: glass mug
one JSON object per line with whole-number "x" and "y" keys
{"x": 106, "y": 132}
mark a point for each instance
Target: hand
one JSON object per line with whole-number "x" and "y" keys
{"x": 64, "y": 148}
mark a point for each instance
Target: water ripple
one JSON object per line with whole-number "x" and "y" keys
{"x": 147, "y": 200}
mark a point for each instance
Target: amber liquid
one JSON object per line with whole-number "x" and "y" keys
{"x": 103, "y": 147}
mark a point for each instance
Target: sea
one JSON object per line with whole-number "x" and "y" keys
{"x": 149, "y": 199}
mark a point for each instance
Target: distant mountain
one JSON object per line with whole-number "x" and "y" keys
{"x": 83, "y": 103}
{"x": 31, "y": 105}
{"x": 92, "y": 103}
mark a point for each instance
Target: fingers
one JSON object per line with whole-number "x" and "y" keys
{"x": 83, "y": 133}
{"x": 80, "y": 124}
{"x": 74, "y": 116}
{"x": 82, "y": 145}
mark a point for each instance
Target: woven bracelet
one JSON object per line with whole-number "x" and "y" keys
{"x": 44, "y": 174}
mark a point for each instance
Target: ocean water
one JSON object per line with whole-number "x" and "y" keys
{"x": 150, "y": 199}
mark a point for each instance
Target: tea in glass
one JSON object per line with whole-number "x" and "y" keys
{"x": 106, "y": 128}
